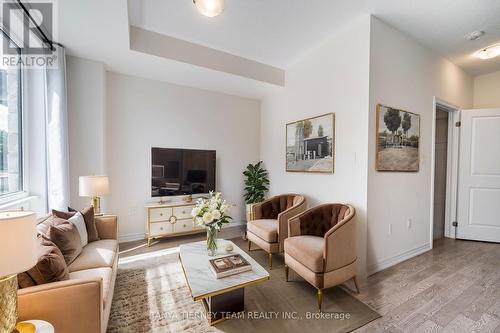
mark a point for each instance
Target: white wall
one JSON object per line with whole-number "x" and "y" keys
{"x": 405, "y": 75}
{"x": 86, "y": 89}
{"x": 331, "y": 78}
{"x": 142, "y": 113}
{"x": 487, "y": 91}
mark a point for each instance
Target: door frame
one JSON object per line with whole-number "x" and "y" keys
{"x": 451, "y": 168}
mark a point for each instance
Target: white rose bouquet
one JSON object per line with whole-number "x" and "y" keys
{"x": 211, "y": 213}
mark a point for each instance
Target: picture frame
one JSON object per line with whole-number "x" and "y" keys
{"x": 310, "y": 144}
{"x": 397, "y": 140}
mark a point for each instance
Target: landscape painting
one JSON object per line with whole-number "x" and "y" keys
{"x": 398, "y": 139}
{"x": 310, "y": 144}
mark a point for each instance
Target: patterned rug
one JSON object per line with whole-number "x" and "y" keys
{"x": 151, "y": 295}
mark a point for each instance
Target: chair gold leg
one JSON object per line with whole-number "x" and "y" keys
{"x": 355, "y": 279}
{"x": 320, "y": 299}
{"x": 270, "y": 261}
{"x": 286, "y": 272}
{"x": 249, "y": 245}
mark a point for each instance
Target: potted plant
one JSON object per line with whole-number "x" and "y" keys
{"x": 256, "y": 186}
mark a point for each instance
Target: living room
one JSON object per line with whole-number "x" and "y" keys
{"x": 224, "y": 165}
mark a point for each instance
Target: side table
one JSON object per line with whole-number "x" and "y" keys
{"x": 34, "y": 326}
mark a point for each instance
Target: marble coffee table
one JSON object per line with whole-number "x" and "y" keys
{"x": 221, "y": 297}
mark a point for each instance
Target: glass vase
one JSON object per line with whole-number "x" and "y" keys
{"x": 212, "y": 241}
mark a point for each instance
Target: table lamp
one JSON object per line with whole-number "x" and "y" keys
{"x": 94, "y": 187}
{"x": 18, "y": 253}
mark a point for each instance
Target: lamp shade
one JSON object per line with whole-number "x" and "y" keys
{"x": 93, "y": 186}
{"x": 18, "y": 246}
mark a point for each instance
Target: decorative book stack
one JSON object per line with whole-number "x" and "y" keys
{"x": 229, "y": 265}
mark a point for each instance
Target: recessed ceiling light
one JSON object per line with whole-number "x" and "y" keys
{"x": 489, "y": 52}
{"x": 475, "y": 35}
{"x": 209, "y": 8}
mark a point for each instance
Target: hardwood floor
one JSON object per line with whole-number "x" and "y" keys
{"x": 455, "y": 287}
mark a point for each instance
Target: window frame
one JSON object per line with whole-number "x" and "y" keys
{"x": 23, "y": 172}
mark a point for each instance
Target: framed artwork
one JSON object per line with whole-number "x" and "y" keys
{"x": 398, "y": 140}
{"x": 310, "y": 144}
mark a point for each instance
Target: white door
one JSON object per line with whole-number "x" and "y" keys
{"x": 479, "y": 176}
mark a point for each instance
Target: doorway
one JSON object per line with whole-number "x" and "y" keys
{"x": 440, "y": 170}
{"x": 445, "y": 142}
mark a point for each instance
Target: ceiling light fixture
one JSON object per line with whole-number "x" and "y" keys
{"x": 488, "y": 52}
{"x": 475, "y": 35}
{"x": 210, "y": 8}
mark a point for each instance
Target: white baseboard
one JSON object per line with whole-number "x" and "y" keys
{"x": 377, "y": 267}
{"x": 131, "y": 237}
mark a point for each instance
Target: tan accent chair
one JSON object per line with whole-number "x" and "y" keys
{"x": 81, "y": 304}
{"x": 322, "y": 246}
{"x": 269, "y": 226}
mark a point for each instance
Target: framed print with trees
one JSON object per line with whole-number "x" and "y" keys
{"x": 398, "y": 139}
{"x": 310, "y": 144}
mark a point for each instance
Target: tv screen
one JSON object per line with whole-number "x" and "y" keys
{"x": 182, "y": 171}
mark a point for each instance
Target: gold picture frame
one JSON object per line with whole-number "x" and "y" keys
{"x": 310, "y": 144}
{"x": 402, "y": 153}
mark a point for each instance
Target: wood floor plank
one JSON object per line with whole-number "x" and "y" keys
{"x": 428, "y": 327}
{"x": 452, "y": 288}
{"x": 485, "y": 324}
{"x": 489, "y": 296}
{"x": 460, "y": 324}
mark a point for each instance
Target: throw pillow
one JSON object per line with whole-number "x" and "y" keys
{"x": 25, "y": 281}
{"x": 44, "y": 224}
{"x": 50, "y": 266}
{"x": 67, "y": 239}
{"x": 79, "y": 222}
{"x": 88, "y": 216}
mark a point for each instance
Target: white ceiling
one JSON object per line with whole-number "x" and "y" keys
{"x": 274, "y": 32}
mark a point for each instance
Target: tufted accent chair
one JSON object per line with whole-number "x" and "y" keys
{"x": 268, "y": 228}
{"x": 322, "y": 246}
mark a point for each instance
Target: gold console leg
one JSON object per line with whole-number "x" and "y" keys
{"x": 320, "y": 299}
{"x": 355, "y": 279}
{"x": 270, "y": 261}
{"x": 286, "y": 272}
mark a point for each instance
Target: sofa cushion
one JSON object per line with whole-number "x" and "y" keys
{"x": 66, "y": 237}
{"x": 265, "y": 229}
{"x": 43, "y": 224}
{"x": 79, "y": 223}
{"x": 97, "y": 254}
{"x": 308, "y": 250}
{"x": 105, "y": 273}
{"x": 50, "y": 267}
{"x": 88, "y": 216}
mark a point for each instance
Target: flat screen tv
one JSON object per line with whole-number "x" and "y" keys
{"x": 182, "y": 171}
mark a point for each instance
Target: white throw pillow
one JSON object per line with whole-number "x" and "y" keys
{"x": 79, "y": 223}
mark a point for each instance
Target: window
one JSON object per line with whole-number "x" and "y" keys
{"x": 11, "y": 166}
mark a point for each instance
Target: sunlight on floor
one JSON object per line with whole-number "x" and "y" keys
{"x": 148, "y": 255}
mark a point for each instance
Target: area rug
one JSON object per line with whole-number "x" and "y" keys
{"x": 151, "y": 295}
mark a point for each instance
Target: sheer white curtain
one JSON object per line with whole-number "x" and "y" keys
{"x": 56, "y": 132}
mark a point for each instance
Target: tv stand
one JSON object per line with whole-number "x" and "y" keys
{"x": 169, "y": 219}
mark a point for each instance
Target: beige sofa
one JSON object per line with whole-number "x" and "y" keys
{"x": 81, "y": 304}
